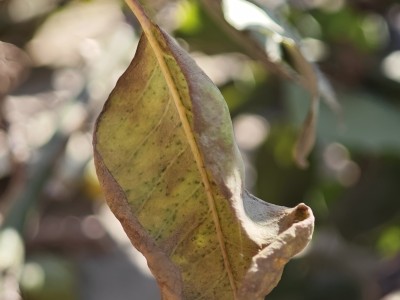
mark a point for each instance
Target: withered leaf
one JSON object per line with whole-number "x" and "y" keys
{"x": 172, "y": 174}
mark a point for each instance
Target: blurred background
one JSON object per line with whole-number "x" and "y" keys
{"x": 59, "y": 61}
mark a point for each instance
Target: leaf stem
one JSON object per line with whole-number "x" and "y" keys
{"x": 251, "y": 48}
{"x": 142, "y": 17}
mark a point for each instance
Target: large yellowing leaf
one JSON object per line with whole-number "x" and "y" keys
{"x": 172, "y": 174}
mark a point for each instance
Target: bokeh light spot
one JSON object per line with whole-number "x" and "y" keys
{"x": 250, "y": 131}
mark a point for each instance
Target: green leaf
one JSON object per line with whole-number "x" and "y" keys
{"x": 361, "y": 111}
{"x": 171, "y": 172}
{"x": 48, "y": 277}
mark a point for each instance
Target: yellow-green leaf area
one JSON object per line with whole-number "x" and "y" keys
{"x": 142, "y": 143}
{"x": 171, "y": 172}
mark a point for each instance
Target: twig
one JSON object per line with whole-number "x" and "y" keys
{"x": 250, "y": 47}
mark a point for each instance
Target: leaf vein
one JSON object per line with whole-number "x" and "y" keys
{"x": 182, "y": 202}
{"x": 150, "y": 133}
{"x": 160, "y": 178}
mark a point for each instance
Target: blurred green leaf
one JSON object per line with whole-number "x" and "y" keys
{"x": 201, "y": 31}
{"x": 364, "y": 209}
{"x": 277, "y": 171}
{"x": 47, "y": 277}
{"x": 370, "y": 124}
{"x": 366, "y": 31}
{"x": 389, "y": 241}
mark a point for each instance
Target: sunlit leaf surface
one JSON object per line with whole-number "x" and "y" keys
{"x": 166, "y": 158}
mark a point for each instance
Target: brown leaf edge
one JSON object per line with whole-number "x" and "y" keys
{"x": 165, "y": 272}
{"x": 299, "y": 224}
{"x": 266, "y": 267}
{"x": 295, "y": 231}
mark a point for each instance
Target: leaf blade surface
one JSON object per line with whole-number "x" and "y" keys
{"x": 172, "y": 174}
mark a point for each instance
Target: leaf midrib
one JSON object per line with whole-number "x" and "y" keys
{"x": 147, "y": 28}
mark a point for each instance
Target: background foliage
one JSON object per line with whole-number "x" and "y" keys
{"x": 77, "y": 50}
